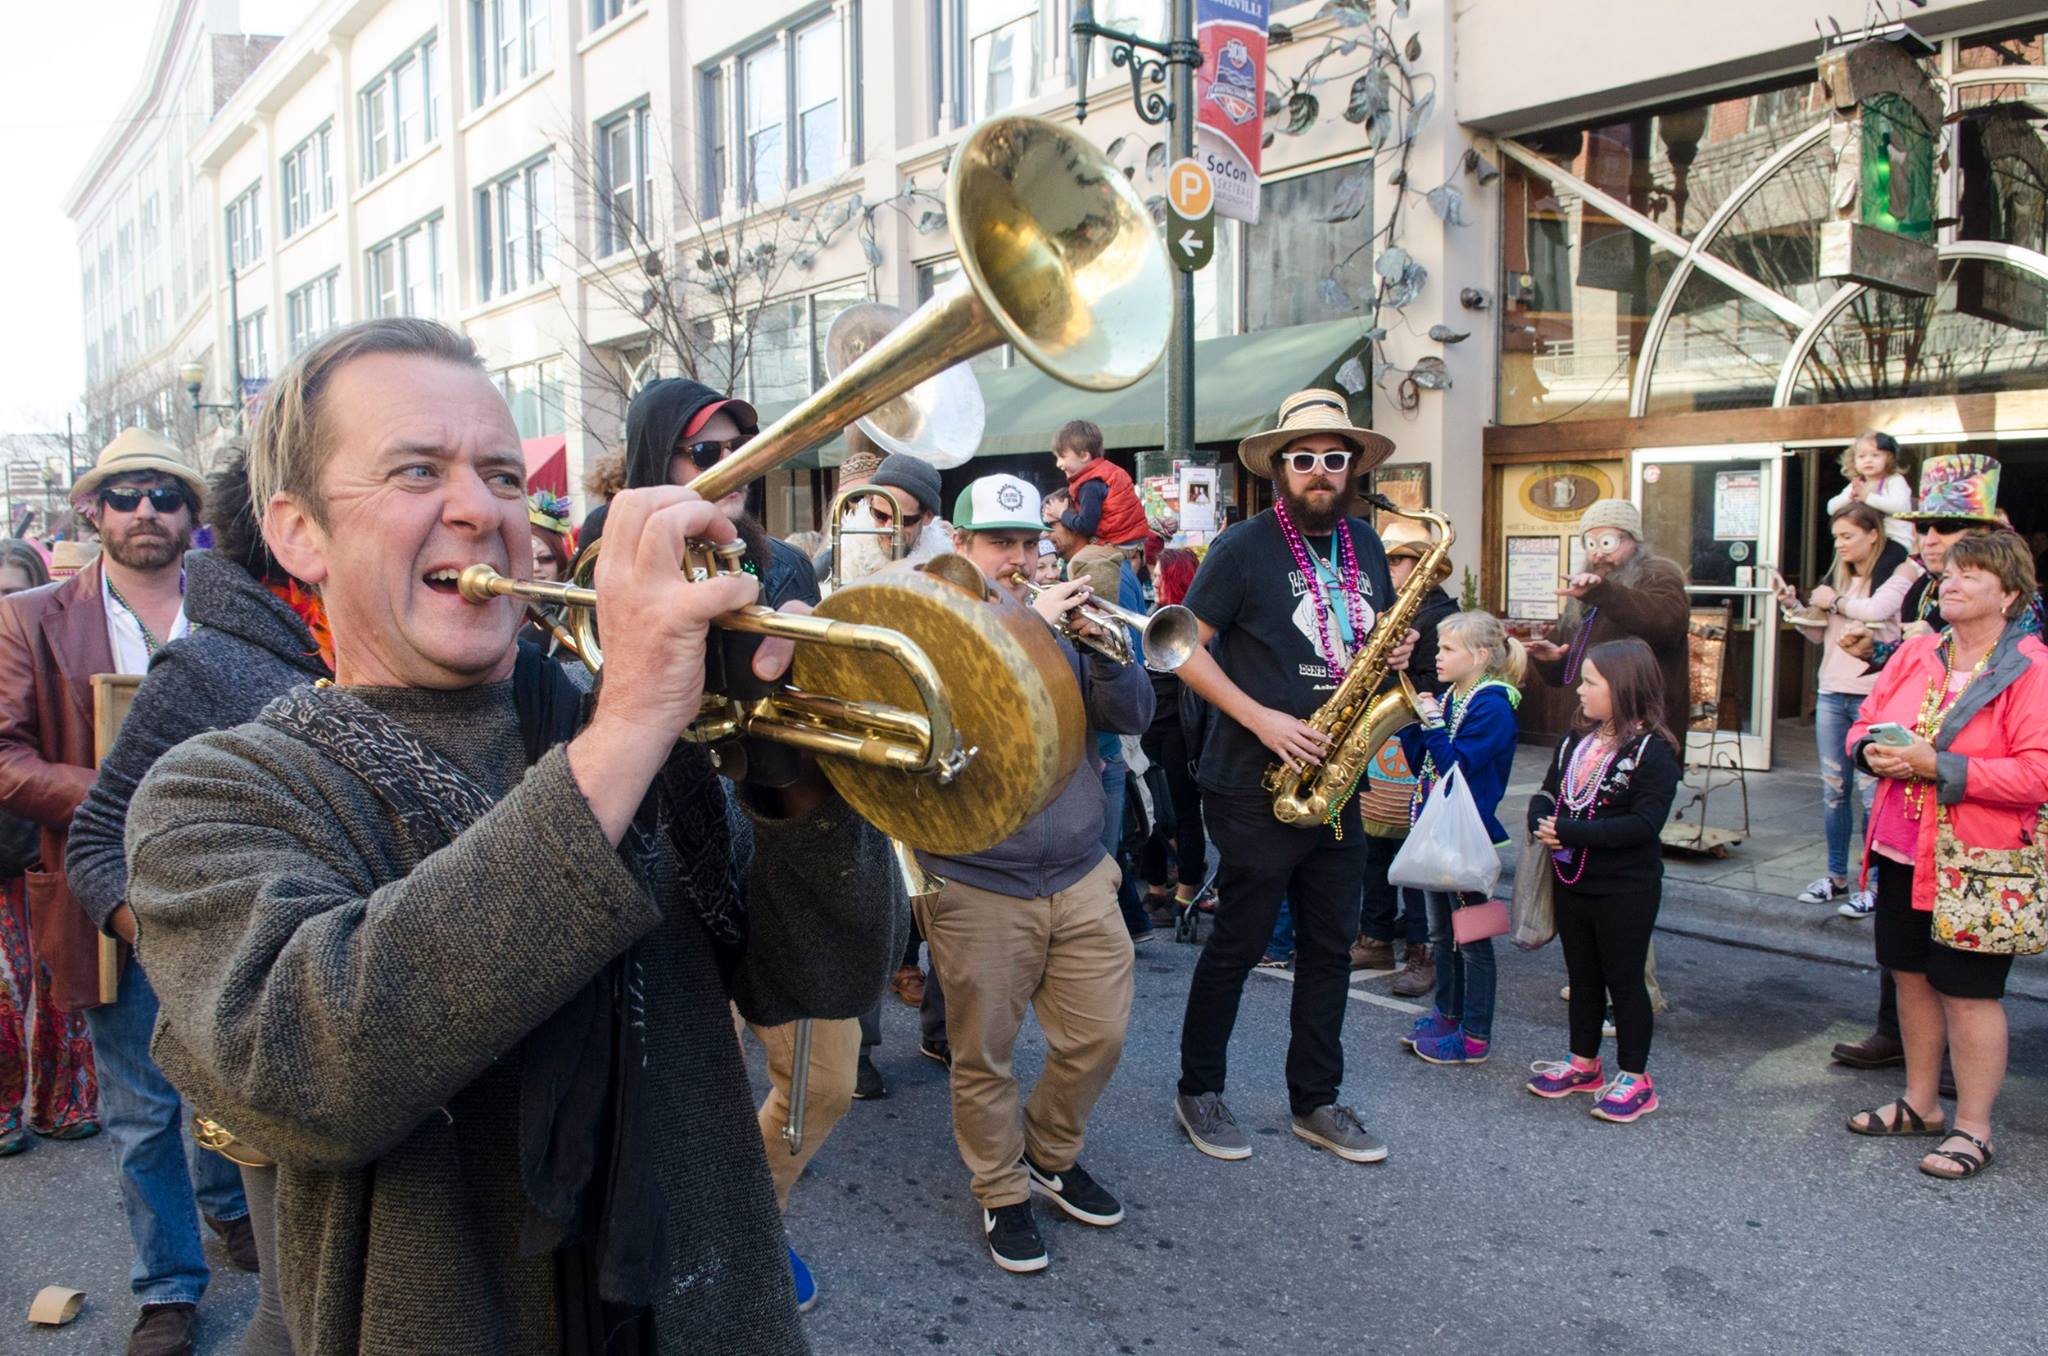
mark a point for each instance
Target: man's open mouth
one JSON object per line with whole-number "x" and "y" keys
{"x": 442, "y": 581}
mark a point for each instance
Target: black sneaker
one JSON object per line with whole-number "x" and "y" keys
{"x": 1013, "y": 1238}
{"x": 1075, "y": 1192}
{"x": 867, "y": 1081}
{"x": 937, "y": 1051}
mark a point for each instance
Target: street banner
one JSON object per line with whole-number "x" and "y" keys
{"x": 1230, "y": 94}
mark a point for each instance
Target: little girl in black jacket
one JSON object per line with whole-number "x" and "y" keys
{"x": 1601, "y": 811}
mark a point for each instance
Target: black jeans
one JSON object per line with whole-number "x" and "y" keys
{"x": 1180, "y": 817}
{"x": 1383, "y": 901}
{"x": 1264, "y": 861}
{"x": 1606, "y": 940}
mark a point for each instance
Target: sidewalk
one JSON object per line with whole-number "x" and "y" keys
{"x": 1747, "y": 898}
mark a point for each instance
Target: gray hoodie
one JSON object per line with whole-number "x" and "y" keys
{"x": 1063, "y": 842}
{"x": 245, "y": 648}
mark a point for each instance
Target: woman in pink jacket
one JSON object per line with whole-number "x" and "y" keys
{"x": 1974, "y": 700}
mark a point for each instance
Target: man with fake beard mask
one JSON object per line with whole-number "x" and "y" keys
{"x": 1290, "y": 597}
{"x": 1625, "y": 590}
{"x": 909, "y": 500}
{"x": 111, "y": 617}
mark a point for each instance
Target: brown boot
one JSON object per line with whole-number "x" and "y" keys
{"x": 163, "y": 1330}
{"x": 238, "y": 1237}
{"x": 1418, "y": 974}
{"x": 909, "y": 985}
{"x": 1370, "y": 953}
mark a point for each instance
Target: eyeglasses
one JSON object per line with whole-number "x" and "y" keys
{"x": 1301, "y": 463}
{"x": 709, "y": 453}
{"x": 165, "y": 499}
{"x": 1949, "y": 527}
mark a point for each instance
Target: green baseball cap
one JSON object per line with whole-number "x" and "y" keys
{"x": 995, "y": 503}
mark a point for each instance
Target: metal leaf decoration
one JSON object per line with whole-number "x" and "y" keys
{"x": 1430, "y": 374}
{"x": 1448, "y": 203}
{"x": 1379, "y": 129}
{"x": 1353, "y": 192}
{"x": 1156, "y": 205}
{"x": 1115, "y": 147}
{"x": 1377, "y": 334}
{"x": 1401, "y": 9}
{"x": 1349, "y": 15}
{"x": 1418, "y": 117}
{"x": 1302, "y": 109}
{"x": 1413, "y": 51}
{"x": 1444, "y": 334}
{"x": 1359, "y": 107}
{"x": 1332, "y": 294}
{"x": 1276, "y": 103}
{"x": 1155, "y": 158}
{"x": 871, "y": 252}
{"x": 1392, "y": 263}
{"x": 1473, "y": 299}
{"x": 933, "y": 220}
{"x": 1351, "y": 376}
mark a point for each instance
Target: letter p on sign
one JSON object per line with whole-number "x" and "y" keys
{"x": 1189, "y": 190}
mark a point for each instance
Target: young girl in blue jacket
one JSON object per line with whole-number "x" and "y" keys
{"x": 1480, "y": 665}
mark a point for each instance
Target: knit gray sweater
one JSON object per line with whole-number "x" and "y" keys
{"x": 353, "y": 1006}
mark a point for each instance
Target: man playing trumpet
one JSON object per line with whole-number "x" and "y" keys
{"x": 1033, "y": 923}
{"x": 456, "y": 958}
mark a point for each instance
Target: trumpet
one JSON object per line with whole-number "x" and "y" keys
{"x": 971, "y": 727}
{"x": 1168, "y": 636}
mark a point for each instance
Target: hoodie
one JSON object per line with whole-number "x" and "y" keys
{"x": 246, "y": 647}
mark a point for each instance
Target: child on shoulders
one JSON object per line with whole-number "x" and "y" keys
{"x": 1103, "y": 503}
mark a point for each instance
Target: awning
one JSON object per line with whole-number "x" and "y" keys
{"x": 1240, "y": 380}
{"x": 547, "y": 463}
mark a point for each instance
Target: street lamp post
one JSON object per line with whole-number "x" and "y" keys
{"x": 193, "y": 374}
{"x": 1174, "y": 66}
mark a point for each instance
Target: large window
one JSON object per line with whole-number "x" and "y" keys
{"x": 401, "y": 109}
{"x": 1002, "y": 54}
{"x": 310, "y": 312}
{"x": 404, "y": 272}
{"x": 938, "y": 273}
{"x": 306, "y": 181}
{"x": 786, "y": 345}
{"x": 255, "y": 361}
{"x": 1298, "y": 268}
{"x": 245, "y": 227}
{"x": 623, "y": 185}
{"x": 603, "y": 12}
{"x": 796, "y": 118}
{"x": 509, "y": 41}
{"x": 534, "y": 391}
{"x": 515, "y": 230}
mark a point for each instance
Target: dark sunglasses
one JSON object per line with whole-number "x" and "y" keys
{"x": 1304, "y": 462}
{"x": 1948, "y": 527}
{"x": 708, "y": 454}
{"x": 165, "y": 499}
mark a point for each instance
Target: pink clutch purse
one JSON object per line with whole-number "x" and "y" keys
{"x": 1477, "y": 922}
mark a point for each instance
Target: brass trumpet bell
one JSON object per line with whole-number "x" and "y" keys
{"x": 940, "y": 420}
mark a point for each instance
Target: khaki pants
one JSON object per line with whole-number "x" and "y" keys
{"x": 835, "y": 1051}
{"x": 1067, "y": 957}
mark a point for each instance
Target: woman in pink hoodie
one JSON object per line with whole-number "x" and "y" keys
{"x": 1974, "y": 703}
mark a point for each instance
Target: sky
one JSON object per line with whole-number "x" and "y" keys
{"x": 58, "y": 98}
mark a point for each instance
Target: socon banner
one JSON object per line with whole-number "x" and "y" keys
{"x": 1230, "y": 91}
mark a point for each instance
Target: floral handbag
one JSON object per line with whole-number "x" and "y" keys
{"x": 1993, "y": 901}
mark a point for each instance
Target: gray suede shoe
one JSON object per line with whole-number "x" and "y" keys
{"x": 1336, "y": 1128}
{"x": 1210, "y": 1126}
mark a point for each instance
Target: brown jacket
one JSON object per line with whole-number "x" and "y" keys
{"x": 53, "y": 639}
{"x": 1656, "y": 611}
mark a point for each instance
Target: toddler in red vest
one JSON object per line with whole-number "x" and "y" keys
{"x": 1103, "y": 503}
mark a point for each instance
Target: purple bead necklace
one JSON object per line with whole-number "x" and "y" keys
{"x": 1347, "y": 563}
{"x": 1580, "y": 789}
{"x": 1577, "y": 654}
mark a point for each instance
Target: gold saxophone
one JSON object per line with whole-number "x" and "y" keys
{"x": 1357, "y": 721}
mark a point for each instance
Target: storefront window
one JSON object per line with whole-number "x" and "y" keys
{"x": 1300, "y": 267}
{"x": 1721, "y": 350}
{"x": 1985, "y": 330}
{"x": 2001, "y": 155}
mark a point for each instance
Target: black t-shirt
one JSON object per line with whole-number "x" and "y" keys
{"x": 1250, "y": 591}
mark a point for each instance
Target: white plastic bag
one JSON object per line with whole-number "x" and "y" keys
{"x": 1447, "y": 851}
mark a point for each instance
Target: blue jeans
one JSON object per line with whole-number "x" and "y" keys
{"x": 1465, "y": 975}
{"x": 145, "y": 1119}
{"x": 1282, "y": 944}
{"x": 1115, "y": 772}
{"x": 1832, "y": 717}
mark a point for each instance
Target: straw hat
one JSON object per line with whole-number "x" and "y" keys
{"x": 1313, "y": 411}
{"x": 137, "y": 449}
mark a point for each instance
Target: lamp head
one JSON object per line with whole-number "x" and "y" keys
{"x": 193, "y": 375}
{"x": 1083, "y": 29}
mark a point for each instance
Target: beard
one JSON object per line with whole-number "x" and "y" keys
{"x": 1315, "y": 522}
{"x": 1625, "y": 573}
{"x": 866, "y": 555}
{"x": 146, "y": 546}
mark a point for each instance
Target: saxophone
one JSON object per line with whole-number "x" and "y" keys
{"x": 1358, "y": 718}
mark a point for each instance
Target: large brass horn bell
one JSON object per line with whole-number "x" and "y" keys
{"x": 944, "y": 712}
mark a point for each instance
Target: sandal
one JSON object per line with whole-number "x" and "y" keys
{"x": 1904, "y": 1121}
{"x": 1969, "y": 1164}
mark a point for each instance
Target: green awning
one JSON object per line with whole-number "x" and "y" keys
{"x": 1240, "y": 380}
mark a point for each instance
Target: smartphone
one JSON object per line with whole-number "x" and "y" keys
{"x": 1891, "y": 734}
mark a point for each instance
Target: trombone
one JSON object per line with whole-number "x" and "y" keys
{"x": 1168, "y": 636}
{"x": 1059, "y": 258}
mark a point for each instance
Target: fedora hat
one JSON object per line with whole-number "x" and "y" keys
{"x": 1313, "y": 411}
{"x": 138, "y": 449}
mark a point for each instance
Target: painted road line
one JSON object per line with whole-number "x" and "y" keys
{"x": 1359, "y": 995}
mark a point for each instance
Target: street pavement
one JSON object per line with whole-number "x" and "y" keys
{"x": 1739, "y": 1218}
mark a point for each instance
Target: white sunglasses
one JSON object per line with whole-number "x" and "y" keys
{"x": 1301, "y": 463}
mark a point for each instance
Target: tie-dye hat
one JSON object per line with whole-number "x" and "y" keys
{"x": 1961, "y": 486}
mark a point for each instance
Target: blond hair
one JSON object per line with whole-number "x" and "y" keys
{"x": 1483, "y": 634}
{"x": 291, "y": 442}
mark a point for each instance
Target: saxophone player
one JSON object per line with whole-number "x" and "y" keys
{"x": 1290, "y": 595}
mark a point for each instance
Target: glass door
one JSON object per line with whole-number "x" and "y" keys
{"x": 1715, "y": 512}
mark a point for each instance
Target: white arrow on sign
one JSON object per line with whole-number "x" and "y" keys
{"x": 1190, "y": 244}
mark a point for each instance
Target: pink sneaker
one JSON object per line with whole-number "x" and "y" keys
{"x": 1629, "y": 1097}
{"x": 1562, "y": 1079}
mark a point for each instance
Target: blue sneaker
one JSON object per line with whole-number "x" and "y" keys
{"x": 806, "y": 1284}
{"x": 1432, "y": 1027}
{"x": 1454, "y": 1048}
